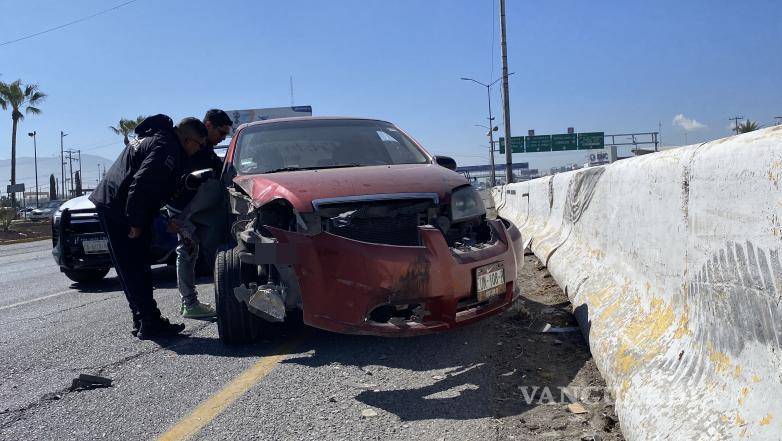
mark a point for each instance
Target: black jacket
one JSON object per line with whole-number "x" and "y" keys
{"x": 145, "y": 175}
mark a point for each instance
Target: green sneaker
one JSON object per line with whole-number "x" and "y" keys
{"x": 198, "y": 310}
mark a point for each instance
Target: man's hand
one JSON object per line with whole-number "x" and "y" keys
{"x": 135, "y": 232}
{"x": 173, "y": 227}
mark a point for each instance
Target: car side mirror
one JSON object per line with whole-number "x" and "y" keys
{"x": 445, "y": 161}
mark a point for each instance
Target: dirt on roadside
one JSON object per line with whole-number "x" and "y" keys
{"x": 25, "y": 230}
{"x": 547, "y": 386}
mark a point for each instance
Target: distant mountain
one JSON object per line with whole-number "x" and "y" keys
{"x": 25, "y": 171}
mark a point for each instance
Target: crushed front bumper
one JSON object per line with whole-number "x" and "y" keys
{"x": 342, "y": 281}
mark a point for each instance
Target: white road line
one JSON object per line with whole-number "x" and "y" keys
{"x": 57, "y": 294}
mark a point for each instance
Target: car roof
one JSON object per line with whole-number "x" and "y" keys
{"x": 308, "y": 118}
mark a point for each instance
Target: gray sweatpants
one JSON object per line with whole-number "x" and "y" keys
{"x": 186, "y": 258}
{"x": 204, "y": 223}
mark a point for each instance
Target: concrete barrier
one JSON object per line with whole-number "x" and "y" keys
{"x": 672, "y": 263}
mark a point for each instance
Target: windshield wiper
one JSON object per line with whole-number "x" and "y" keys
{"x": 284, "y": 169}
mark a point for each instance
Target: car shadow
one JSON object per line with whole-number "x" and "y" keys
{"x": 495, "y": 368}
{"x": 163, "y": 277}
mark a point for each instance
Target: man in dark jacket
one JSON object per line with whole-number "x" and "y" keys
{"x": 129, "y": 198}
{"x": 200, "y": 201}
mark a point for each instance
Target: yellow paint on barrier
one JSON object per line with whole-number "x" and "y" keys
{"x": 721, "y": 360}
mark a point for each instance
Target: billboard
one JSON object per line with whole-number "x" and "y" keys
{"x": 249, "y": 115}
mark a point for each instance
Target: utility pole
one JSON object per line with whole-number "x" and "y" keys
{"x": 736, "y": 120}
{"x": 62, "y": 163}
{"x": 505, "y": 96}
{"x": 70, "y": 154}
{"x": 78, "y": 153}
{"x": 35, "y": 160}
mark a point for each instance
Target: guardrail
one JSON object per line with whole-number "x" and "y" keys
{"x": 672, "y": 263}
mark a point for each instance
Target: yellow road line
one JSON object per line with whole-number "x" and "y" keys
{"x": 217, "y": 403}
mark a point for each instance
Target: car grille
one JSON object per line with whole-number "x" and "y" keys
{"x": 398, "y": 230}
{"x": 388, "y": 222}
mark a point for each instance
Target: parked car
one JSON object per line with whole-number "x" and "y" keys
{"x": 80, "y": 248}
{"x": 355, "y": 224}
{"x": 46, "y": 212}
{"x": 24, "y": 212}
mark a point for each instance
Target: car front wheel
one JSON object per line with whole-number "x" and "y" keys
{"x": 86, "y": 275}
{"x": 235, "y": 324}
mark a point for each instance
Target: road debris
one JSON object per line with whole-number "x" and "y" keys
{"x": 576, "y": 408}
{"x": 368, "y": 413}
{"x": 86, "y": 382}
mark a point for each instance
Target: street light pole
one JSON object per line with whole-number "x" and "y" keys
{"x": 491, "y": 122}
{"x": 505, "y": 96}
{"x": 35, "y": 161}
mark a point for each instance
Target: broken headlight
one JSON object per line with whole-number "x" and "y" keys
{"x": 466, "y": 203}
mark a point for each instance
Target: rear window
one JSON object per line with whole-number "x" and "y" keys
{"x": 313, "y": 144}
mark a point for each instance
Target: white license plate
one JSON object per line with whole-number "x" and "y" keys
{"x": 97, "y": 246}
{"x": 489, "y": 281}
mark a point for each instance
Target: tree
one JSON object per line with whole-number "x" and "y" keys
{"x": 52, "y": 188}
{"x": 748, "y": 126}
{"x": 19, "y": 97}
{"x": 126, "y": 127}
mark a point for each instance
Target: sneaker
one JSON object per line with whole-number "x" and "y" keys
{"x": 158, "y": 327}
{"x": 198, "y": 310}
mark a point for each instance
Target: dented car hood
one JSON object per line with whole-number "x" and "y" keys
{"x": 302, "y": 187}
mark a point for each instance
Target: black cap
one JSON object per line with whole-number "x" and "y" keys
{"x": 218, "y": 118}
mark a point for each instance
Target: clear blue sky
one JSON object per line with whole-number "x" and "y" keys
{"x": 613, "y": 66}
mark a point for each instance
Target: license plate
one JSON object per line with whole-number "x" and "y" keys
{"x": 489, "y": 281}
{"x": 96, "y": 246}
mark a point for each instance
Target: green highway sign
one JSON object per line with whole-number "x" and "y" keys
{"x": 555, "y": 143}
{"x": 590, "y": 141}
{"x": 516, "y": 144}
{"x": 566, "y": 141}
{"x": 540, "y": 143}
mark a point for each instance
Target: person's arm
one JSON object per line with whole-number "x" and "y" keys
{"x": 150, "y": 185}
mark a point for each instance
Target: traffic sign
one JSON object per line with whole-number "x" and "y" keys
{"x": 567, "y": 141}
{"x": 16, "y": 188}
{"x": 516, "y": 144}
{"x": 540, "y": 143}
{"x": 591, "y": 140}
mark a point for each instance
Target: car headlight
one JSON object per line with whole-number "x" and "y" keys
{"x": 466, "y": 202}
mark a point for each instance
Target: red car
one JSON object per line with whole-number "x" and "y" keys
{"x": 352, "y": 222}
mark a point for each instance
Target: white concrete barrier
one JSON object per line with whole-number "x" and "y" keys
{"x": 672, "y": 262}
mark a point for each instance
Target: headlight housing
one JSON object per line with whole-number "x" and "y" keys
{"x": 466, "y": 203}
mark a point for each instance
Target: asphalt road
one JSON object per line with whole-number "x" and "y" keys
{"x": 456, "y": 385}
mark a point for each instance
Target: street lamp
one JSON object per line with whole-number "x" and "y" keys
{"x": 491, "y": 120}
{"x": 35, "y": 160}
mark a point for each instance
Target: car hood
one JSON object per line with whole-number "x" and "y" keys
{"x": 78, "y": 203}
{"x": 300, "y": 188}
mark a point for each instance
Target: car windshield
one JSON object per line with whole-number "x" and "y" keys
{"x": 313, "y": 144}
{"x": 53, "y": 204}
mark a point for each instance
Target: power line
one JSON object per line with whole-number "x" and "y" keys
{"x": 68, "y": 24}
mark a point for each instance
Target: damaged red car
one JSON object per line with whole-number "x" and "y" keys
{"x": 353, "y": 223}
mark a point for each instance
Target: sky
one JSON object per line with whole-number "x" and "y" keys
{"x": 612, "y": 66}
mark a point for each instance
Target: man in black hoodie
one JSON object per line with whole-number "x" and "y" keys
{"x": 129, "y": 198}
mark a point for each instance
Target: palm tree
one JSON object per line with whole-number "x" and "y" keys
{"x": 19, "y": 97}
{"x": 748, "y": 126}
{"x": 126, "y": 127}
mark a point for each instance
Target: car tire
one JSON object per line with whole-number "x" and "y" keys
{"x": 235, "y": 324}
{"x": 86, "y": 275}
